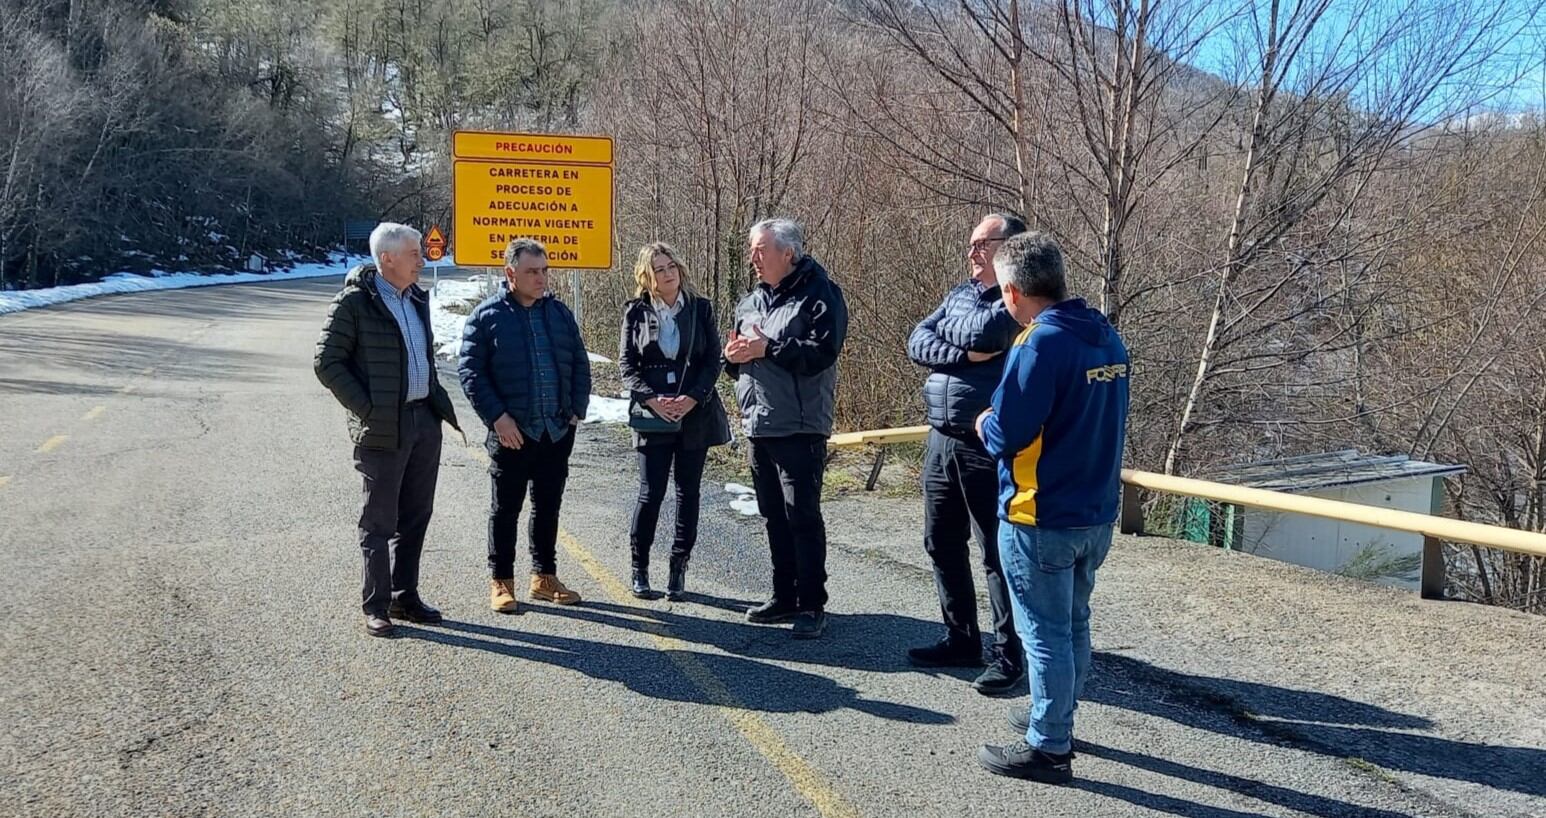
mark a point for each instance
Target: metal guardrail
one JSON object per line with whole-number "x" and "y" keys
{"x": 1434, "y": 530}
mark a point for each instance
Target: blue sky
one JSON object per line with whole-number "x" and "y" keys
{"x": 1506, "y": 37}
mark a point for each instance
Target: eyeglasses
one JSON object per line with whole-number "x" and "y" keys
{"x": 666, "y": 269}
{"x": 983, "y": 244}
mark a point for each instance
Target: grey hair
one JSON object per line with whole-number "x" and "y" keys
{"x": 390, "y": 236}
{"x": 523, "y": 246}
{"x": 786, "y": 233}
{"x": 1032, "y": 263}
{"x": 1013, "y": 225}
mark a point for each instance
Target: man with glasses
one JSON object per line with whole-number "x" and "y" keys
{"x": 962, "y": 343}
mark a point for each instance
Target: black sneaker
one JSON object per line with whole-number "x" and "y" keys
{"x": 810, "y": 624}
{"x": 1000, "y": 679}
{"x": 947, "y": 653}
{"x": 1021, "y": 760}
{"x": 641, "y": 585}
{"x": 771, "y": 612}
{"x": 416, "y": 612}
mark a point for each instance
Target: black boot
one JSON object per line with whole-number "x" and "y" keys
{"x": 676, "y": 582}
{"x": 641, "y": 584}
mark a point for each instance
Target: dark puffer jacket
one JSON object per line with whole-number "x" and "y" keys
{"x": 362, "y": 359}
{"x": 971, "y": 318}
{"x": 496, "y": 362}
{"x": 648, "y": 373}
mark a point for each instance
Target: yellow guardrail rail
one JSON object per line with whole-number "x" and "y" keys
{"x": 1434, "y": 530}
{"x": 906, "y": 434}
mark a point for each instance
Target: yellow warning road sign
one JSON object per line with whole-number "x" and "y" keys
{"x": 532, "y": 147}
{"x": 435, "y": 244}
{"x": 552, "y": 188}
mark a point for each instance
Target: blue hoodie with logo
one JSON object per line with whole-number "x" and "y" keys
{"x": 1059, "y": 420}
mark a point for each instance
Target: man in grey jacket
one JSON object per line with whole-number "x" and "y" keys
{"x": 782, "y": 354}
{"x": 962, "y": 343}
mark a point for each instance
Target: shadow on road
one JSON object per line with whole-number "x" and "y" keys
{"x": 1318, "y": 722}
{"x": 1304, "y": 802}
{"x": 666, "y": 674}
{"x": 858, "y": 641}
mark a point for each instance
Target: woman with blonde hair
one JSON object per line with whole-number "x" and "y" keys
{"x": 669, "y": 357}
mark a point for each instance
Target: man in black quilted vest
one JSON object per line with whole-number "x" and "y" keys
{"x": 376, "y": 356}
{"x": 962, "y": 343}
{"x": 782, "y": 354}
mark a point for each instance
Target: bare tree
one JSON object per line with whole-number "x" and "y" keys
{"x": 1139, "y": 108}
{"x": 1331, "y": 107}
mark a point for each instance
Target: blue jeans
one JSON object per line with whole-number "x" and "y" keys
{"x": 1051, "y": 572}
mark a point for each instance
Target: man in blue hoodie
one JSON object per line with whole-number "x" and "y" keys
{"x": 1057, "y": 426}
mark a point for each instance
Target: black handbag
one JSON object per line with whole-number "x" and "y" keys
{"x": 643, "y": 419}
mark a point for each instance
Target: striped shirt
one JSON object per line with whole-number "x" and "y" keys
{"x": 415, "y": 338}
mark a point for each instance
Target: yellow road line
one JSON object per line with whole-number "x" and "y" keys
{"x": 127, "y": 389}
{"x": 52, "y": 443}
{"x": 149, "y": 370}
{"x": 96, "y": 412}
{"x": 805, "y": 777}
{"x": 5, "y": 480}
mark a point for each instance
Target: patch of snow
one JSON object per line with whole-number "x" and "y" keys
{"x": 745, "y": 500}
{"x": 18, "y": 300}
{"x": 607, "y": 410}
{"x": 600, "y": 359}
{"x": 447, "y": 325}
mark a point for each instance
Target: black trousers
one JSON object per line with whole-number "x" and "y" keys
{"x": 396, "y": 505}
{"x": 655, "y": 463}
{"x": 543, "y": 465}
{"x": 960, "y": 497}
{"x": 787, "y": 474}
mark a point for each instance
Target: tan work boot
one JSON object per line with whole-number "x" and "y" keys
{"x": 547, "y": 586}
{"x": 501, "y": 595}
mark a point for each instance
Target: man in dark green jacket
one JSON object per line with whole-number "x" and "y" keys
{"x": 376, "y": 355}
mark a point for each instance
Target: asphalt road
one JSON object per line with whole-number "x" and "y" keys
{"x": 182, "y": 635}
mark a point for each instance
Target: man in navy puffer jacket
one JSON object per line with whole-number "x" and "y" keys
{"x": 962, "y": 343}
{"x": 526, "y": 373}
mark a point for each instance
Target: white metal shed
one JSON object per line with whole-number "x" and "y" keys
{"x": 1384, "y": 481}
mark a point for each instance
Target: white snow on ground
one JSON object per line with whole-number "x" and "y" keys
{"x": 607, "y": 410}
{"x": 599, "y": 359}
{"x": 18, "y": 300}
{"x": 745, "y": 500}
{"x": 447, "y": 324}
